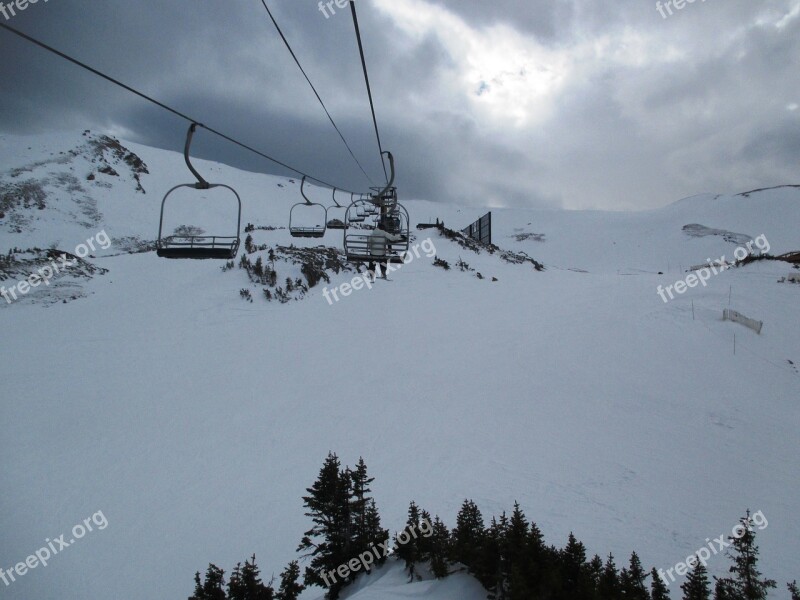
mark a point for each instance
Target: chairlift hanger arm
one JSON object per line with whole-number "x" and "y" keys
{"x": 390, "y": 183}
{"x": 302, "y": 190}
{"x": 334, "y": 199}
{"x": 202, "y": 184}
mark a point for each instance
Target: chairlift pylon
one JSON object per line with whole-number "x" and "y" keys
{"x": 392, "y": 216}
{"x": 315, "y": 231}
{"x": 199, "y": 246}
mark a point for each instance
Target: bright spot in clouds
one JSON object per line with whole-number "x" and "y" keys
{"x": 506, "y": 78}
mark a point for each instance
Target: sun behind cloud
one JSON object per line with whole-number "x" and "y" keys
{"x": 506, "y": 78}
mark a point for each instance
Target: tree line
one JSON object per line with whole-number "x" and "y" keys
{"x": 509, "y": 556}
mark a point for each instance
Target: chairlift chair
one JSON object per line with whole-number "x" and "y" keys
{"x": 336, "y": 223}
{"x": 357, "y": 214}
{"x": 357, "y": 246}
{"x": 303, "y": 231}
{"x": 198, "y": 246}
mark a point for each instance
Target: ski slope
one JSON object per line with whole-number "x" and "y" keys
{"x": 195, "y": 420}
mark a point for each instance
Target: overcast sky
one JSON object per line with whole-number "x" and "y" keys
{"x": 543, "y": 103}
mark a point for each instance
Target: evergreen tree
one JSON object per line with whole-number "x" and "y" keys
{"x": 632, "y": 581}
{"x": 746, "y": 582}
{"x": 793, "y": 590}
{"x": 467, "y": 539}
{"x": 440, "y": 549}
{"x": 328, "y": 541}
{"x": 722, "y": 590}
{"x": 359, "y": 504}
{"x": 252, "y": 586}
{"x": 245, "y": 583}
{"x": 213, "y": 586}
{"x": 517, "y": 569}
{"x": 235, "y": 583}
{"x": 572, "y": 562}
{"x": 696, "y": 586}
{"x": 491, "y": 568}
{"x": 516, "y": 541}
{"x": 595, "y": 570}
{"x": 409, "y": 551}
{"x": 375, "y": 534}
{"x": 609, "y": 585}
{"x": 290, "y": 588}
{"x": 541, "y": 574}
{"x": 658, "y": 589}
{"x": 198, "y": 588}
{"x": 424, "y": 542}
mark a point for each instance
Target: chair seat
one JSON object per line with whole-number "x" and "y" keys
{"x": 205, "y": 247}
{"x": 308, "y": 233}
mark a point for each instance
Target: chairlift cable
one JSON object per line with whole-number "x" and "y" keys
{"x": 369, "y": 89}
{"x": 303, "y": 71}
{"x": 160, "y": 104}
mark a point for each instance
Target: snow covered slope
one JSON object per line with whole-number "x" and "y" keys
{"x": 195, "y": 420}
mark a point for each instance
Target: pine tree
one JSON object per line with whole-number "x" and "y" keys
{"x": 516, "y": 542}
{"x": 425, "y": 534}
{"x": 252, "y": 586}
{"x": 541, "y": 572}
{"x": 658, "y": 589}
{"x": 491, "y": 568}
{"x": 290, "y": 588}
{"x": 572, "y": 560}
{"x": 609, "y": 586}
{"x": 793, "y": 590}
{"x": 595, "y": 570}
{"x": 360, "y": 482}
{"x": 213, "y": 586}
{"x": 467, "y": 538}
{"x": 440, "y": 549}
{"x": 375, "y": 534}
{"x": 198, "y": 588}
{"x": 409, "y": 551}
{"x": 516, "y": 553}
{"x": 632, "y": 581}
{"x": 696, "y": 586}
{"x": 722, "y": 590}
{"x": 746, "y": 582}
{"x": 235, "y": 589}
{"x": 328, "y": 541}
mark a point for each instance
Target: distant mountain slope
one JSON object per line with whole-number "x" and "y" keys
{"x": 195, "y": 420}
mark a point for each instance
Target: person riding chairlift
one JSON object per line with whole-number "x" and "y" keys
{"x": 377, "y": 243}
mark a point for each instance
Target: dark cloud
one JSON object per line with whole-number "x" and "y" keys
{"x": 639, "y": 110}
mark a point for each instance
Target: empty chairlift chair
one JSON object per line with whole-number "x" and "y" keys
{"x": 355, "y": 213}
{"x": 336, "y": 219}
{"x": 198, "y": 246}
{"x": 314, "y": 228}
